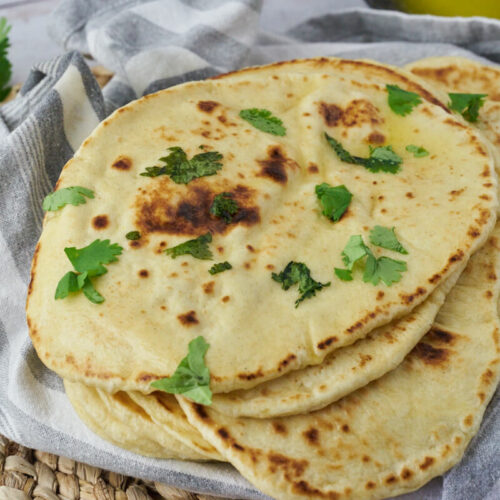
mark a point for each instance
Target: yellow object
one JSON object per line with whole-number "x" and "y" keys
{"x": 487, "y": 8}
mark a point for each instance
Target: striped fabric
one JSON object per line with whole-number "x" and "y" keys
{"x": 152, "y": 45}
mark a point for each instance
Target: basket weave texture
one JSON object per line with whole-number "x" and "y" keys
{"x": 27, "y": 474}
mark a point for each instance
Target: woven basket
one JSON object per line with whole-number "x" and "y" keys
{"x": 30, "y": 474}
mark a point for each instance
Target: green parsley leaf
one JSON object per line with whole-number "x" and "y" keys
{"x": 181, "y": 170}
{"x": 220, "y": 267}
{"x": 263, "y": 120}
{"x": 297, "y": 272}
{"x": 354, "y": 251}
{"x": 192, "y": 376}
{"x": 402, "y": 101}
{"x": 418, "y": 151}
{"x": 384, "y": 268}
{"x": 74, "y": 195}
{"x": 333, "y": 200}
{"x": 88, "y": 262}
{"x": 382, "y": 158}
{"x": 467, "y": 105}
{"x": 386, "y": 238}
{"x": 224, "y": 207}
{"x": 343, "y": 274}
{"x": 91, "y": 259}
{"x": 5, "y": 65}
{"x": 133, "y": 235}
{"x": 198, "y": 248}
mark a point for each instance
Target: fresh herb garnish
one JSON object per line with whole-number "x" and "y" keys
{"x": 382, "y": 158}
{"x": 343, "y": 274}
{"x": 5, "y": 65}
{"x": 467, "y": 105}
{"x": 297, "y": 272}
{"x": 418, "y": 151}
{"x": 74, "y": 195}
{"x": 133, "y": 235}
{"x": 386, "y": 238}
{"x": 181, "y": 170}
{"x": 198, "y": 248}
{"x": 333, "y": 200}
{"x": 192, "y": 376}
{"x": 224, "y": 207}
{"x": 384, "y": 268}
{"x": 402, "y": 101}
{"x": 220, "y": 267}
{"x": 263, "y": 120}
{"x": 88, "y": 262}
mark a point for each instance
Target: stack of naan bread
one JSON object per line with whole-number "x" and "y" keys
{"x": 363, "y": 390}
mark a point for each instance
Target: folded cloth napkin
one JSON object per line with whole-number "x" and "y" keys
{"x": 152, "y": 45}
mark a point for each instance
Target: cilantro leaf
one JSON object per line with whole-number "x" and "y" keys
{"x": 181, "y": 170}
{"x": 402, "y": 101}
{"x": 90, "y": 292}
{"x": 384, "y": 268}
{"x": 467, "y": 105}
{"x": 91, "y": 259}
{"x": 418, "y": 151}
{"x": 224, "y": 207}
{"x": 343, "y": 274}
{"x": 198, "y": 248}
{"x": 133, "y": 235}
{"x": 5, "y": 65}
{"x": 220, "y": 267}
{"x": 382, "y": 158}
{"x": 386, "y": 238}
{"x": 333, "y": 200}
{"x": 192, "y": 376}
{"x": 354, "y": 251}
{"x": 263, "y": 120}
{"x": 74, "y": 195}
{"x": 297, "y": 272}
{"x": 67, "y": 284}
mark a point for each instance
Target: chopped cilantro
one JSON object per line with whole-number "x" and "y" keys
{"x": 263, "y": 120}
{"x": 384, "y": 268}
{"x": 297, "y": 272}
{"x": 181, "y": 170}
{"x": 74, "y": 195}
{"x": 5, "y": 65}
{"x": 418, "y": 151}
{"x": 343, "y": 274}
{"x": 386, "y": 238}
{"x": 333, "y": 200}
{"x": 192, "y": 376}
{"x": 467, "y": 105}
{"x": 402, "y": 101}
{"x": 133, "y": 235}
{"x": 198, "y": 248}
{"x": 382, "y": 158}
{"x": 224, "y": 207}
{"x": 354, "y": 251}
{"x": 89, "y": 262}
{"x": 220, "y": 267}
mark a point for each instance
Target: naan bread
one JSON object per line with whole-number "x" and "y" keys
{"x": 398, "y": 432}
{"x": 119, "y": 419}
{"x": 442, "y": 207}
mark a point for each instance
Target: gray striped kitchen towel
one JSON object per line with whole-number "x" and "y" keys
{"x": 152, "y": 45}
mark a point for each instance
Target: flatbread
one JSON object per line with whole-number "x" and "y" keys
{"x": 118, "y": 419}
{"x": 398, "y": 432}
{"x": 342, "y": 372}
{"x": 442, "y": 207}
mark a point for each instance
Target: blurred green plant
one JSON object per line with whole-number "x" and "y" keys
{"x": 5, "y": 65}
